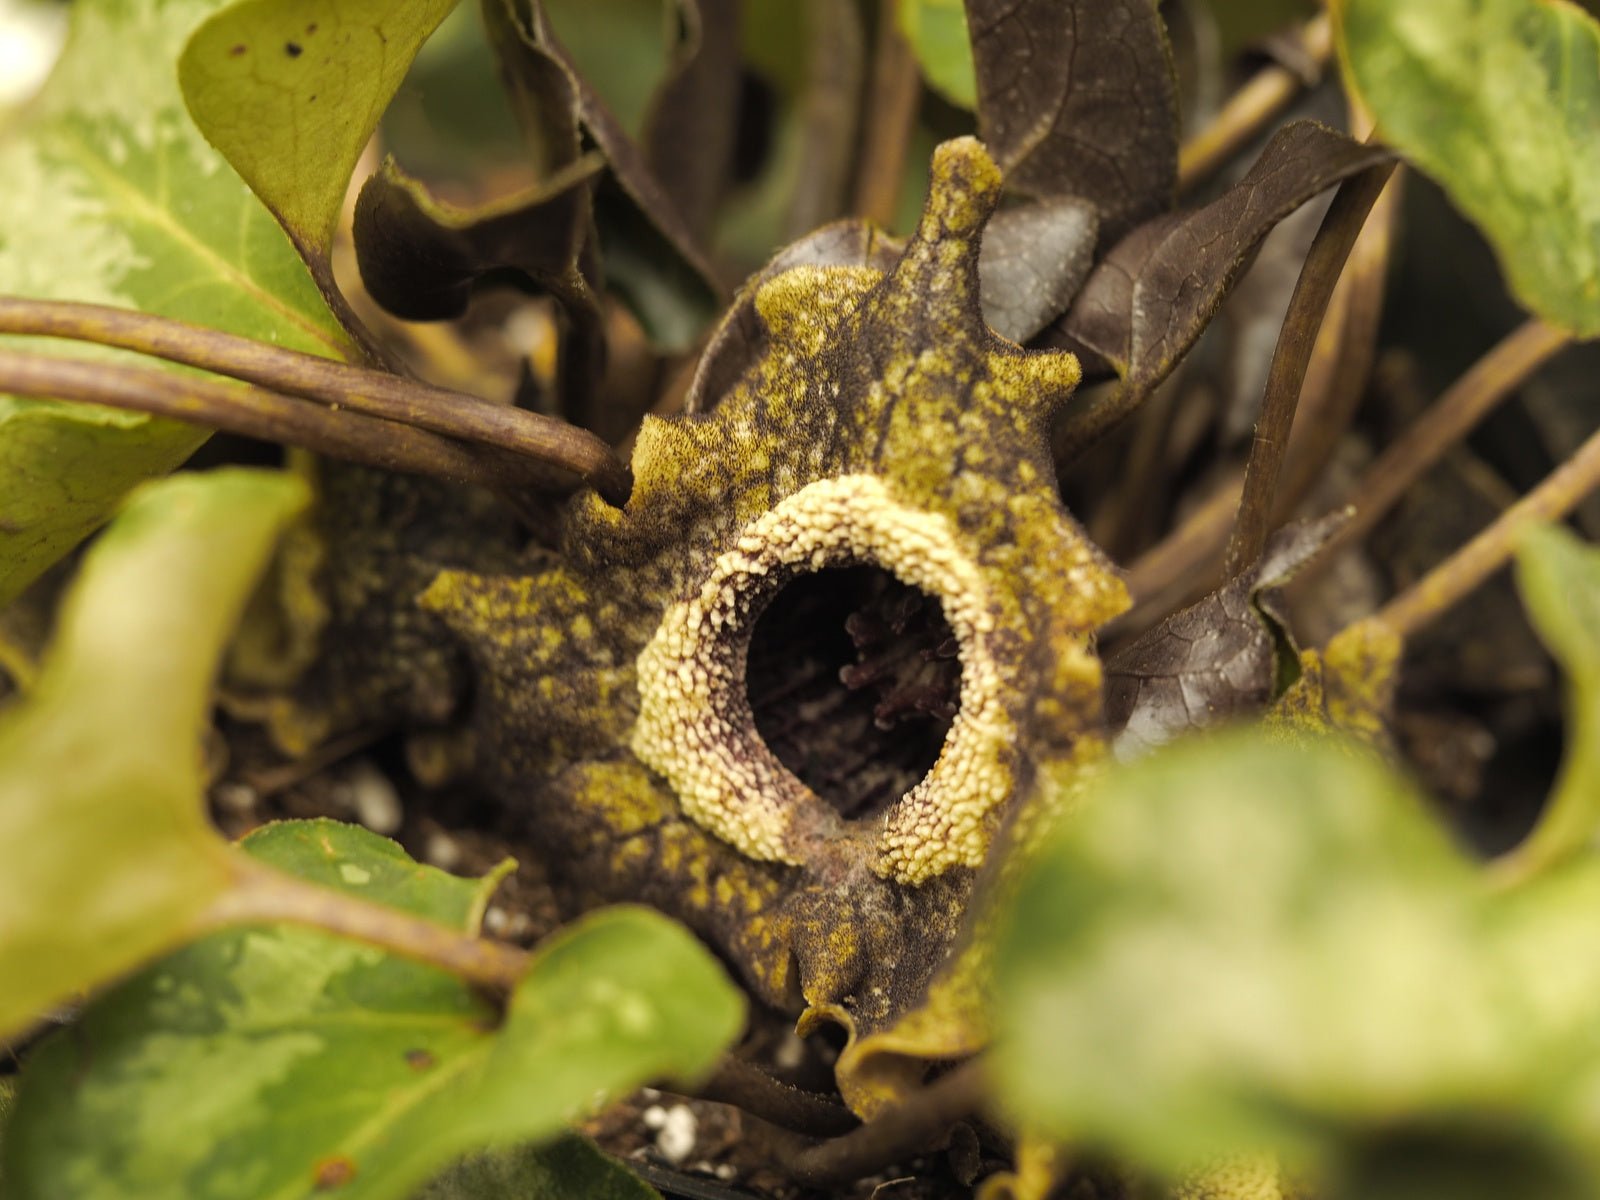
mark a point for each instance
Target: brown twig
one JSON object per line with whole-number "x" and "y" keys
{"x": 254, "y": 412}
{"x": 891, "y": 112}
{"x": 261, "y": 895}
{"x": 1252, "y": 108}
{"x": 513, "y": 432}
{"x": 1452, "y": 580}
{"x": 1296, "y": 339}
{"x": 748, "y": 1087}
{"x": 1466, "y": 402}
{"x": 906, "y": 1129}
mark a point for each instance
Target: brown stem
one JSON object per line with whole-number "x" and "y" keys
{"x": 1489, "y": 381}
{"x": 890, "y": 114}
{"x": 261, "y": 895}
{"x": 1296, "y": 339}
{"x": 907, "y": 1129}
{"x": 513, "y": 431}
{"x": 254, "y": 412}
{"x": 1344, "y": 365}
{"x": 1252, "y": 108}
{"x": 1452, "y": 580}
{"x": 748, "y": 1087}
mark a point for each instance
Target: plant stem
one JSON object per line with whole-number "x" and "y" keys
{"x": 1251, "y": 108}
{"x": 261, "y": 895}
{"x": 748, "y": 1087}
{"x": 457, "y": 415}
{"x": 890, "y": 114}
{"x": 1466, "y": 402}
{"x": 1296, "y": 339}
{"x": 256, "y": 412}
{"x": 1452, "y": 580}
{"x": 906, "y": 1129}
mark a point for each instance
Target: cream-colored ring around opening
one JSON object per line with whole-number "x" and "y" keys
{"x": 695, "y": 726}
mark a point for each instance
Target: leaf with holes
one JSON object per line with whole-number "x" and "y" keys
{"x": 100, "y": 771}
{"x": 1499, "y": 101}
{"x": 108, "y": 193}
{"x": 290, "y": 91}
{"x": 284, "y": 1061}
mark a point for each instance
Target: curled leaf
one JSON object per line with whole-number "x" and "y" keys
{"x": 1218, "y": 659}
{"x": 290, "y": 92}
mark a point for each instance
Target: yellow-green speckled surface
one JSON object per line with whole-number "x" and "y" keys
{"x": 882, "y": 424}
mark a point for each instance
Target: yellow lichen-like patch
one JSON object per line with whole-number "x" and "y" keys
{"x": 695, "y": 725}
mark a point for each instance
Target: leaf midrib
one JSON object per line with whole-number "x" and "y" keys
{"x": 145, "y": 209}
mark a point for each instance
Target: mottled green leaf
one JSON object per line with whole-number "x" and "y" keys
{"x": 290, "y": 91}
{"x": 351, "y": 859}
{"x": 100, "y": 768}
{"x": 1498, "y": 100}
{"x": 108, "y": 193}
{"x": 1559, "y": 578}
{"x": 284, "y": 1062}
{"x": 1241, "y": 942}
{"x": 937, "y": 33}
{"x": 565, "y": 1169}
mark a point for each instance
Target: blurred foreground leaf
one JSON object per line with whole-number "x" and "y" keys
{"x": 111, "y": 857}
{"x": 109, "y": 194}
{"x": 1241, "y": 942}
{"x": 1559, "y": 578}
{"x": 280, "y": 1061}
{"x": 1499, "y": 100}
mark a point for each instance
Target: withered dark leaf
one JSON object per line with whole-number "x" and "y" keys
{"x": 420, "y": 257}
{"x": 1217, "y": 659}
{"x": 1078, "y": 98}
{"x": 1152, "y": 296}
{"x": 525, "y": 40}
{"x": 1034, "y": 259}
{"x": 689, "y": 132}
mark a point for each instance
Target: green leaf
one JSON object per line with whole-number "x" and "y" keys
{"x": 100, "y": 767}
{"x": 566, "y": 1168}
{"x": 351, "y": 859}
{"x": 290, "y": 91}
{"x": 109, "y": 194}
{"x": 1559, "y": 578}
{"x": 1242, "y": 942}
{"x": 1499, "y": 101}
{"x": 285, "y": 1062}
{"x": 937, "y": 31}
